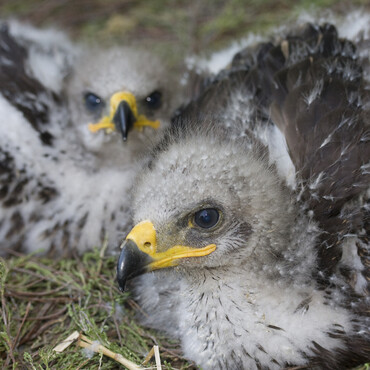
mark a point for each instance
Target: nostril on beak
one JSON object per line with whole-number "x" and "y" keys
{"x": 149, "y": 248}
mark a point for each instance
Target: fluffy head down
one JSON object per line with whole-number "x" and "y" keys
{"x": 257, "y": 216}
{"x": 256, "y": 290}
{"x": 104, "y": 72}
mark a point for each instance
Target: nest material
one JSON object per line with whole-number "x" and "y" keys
{"x": 44, "y": 300}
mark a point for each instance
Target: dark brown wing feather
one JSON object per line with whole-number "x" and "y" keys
{"x": 22, "y": 90}
{"x": 310, "y": 84}
{"x": 319, "y": 104}
{"x": 34, "y": 101}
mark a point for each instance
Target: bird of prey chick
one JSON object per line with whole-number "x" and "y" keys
{"x": 76, "y": 122}
{"x": 253, "y": 274}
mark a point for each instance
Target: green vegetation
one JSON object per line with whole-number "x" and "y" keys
{"x": 44, "y": 300}
{"x": 174, "y": 28}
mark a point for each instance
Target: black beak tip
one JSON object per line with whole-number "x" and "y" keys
{"x": 124, "y": 119}
{"x": 132, "y": 262}
{"x": 123, "y": 269}
{"x": 121, "y": 282}
{"x": 121, "y": 288}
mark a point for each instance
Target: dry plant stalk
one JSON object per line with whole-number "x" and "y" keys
{"x": 157, "y": 358}
{"x": 67, "y": 342}
{"x": 149, "y": 356}
{"x": 154, "y": 352}
{"x": 85, "y": 342}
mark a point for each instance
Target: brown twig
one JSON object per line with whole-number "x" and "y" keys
{"x": 35, "y": 294}
{"x": 34, "y": 334}
{"x": 177, "y": 353}
{"x": 21, "y": 325}
{"x": 41, "y": 312}
{"x": 136, "y": 307}
{"x": 31, "y": 273}
{"x": 48, "y": 317}
{"x": 5, "y": 320}
{"x": 31, "y": 283}
{"x": 83, "y": 364}
{"x": 37, "y": 299}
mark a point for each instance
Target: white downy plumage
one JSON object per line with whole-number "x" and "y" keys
{"x": 259, "y": 274}
{"x": 62, "y": 186}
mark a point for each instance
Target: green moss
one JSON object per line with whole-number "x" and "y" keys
{"x": 45, "y": 300}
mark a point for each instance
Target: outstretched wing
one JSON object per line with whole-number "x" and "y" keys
{"x": 319, "y": 102}
{"x": 311, "y": 85}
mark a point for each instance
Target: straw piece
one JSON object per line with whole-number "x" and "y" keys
{"x": 157, "y": 358}
{"x": 85, "y": 342}
{"x": 149, "y": 356}
{"x": 67, "y": 342}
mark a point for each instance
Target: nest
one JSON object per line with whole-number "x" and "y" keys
{"x": 45, "y": 301}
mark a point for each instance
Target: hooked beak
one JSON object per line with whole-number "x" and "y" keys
{"x": 139, "y": 253}
{"x": 123, "y": 116}
{"x": 124, "y": 119}
{"x": 132, "y": 262}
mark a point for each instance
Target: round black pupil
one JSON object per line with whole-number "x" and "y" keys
{"x": 206, "y": 218}
{"x": 154, "y": 99}
{"x": 92, "y": 101}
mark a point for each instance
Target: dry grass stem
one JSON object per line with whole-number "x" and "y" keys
{"x": 21, "y": 325}
{"x": 67, "y": 342}
{"x": 154, "y": 352}
{"x": 157, "y": 358}
{"x": 85, "y": 342}
{"x": 149, "y": 356}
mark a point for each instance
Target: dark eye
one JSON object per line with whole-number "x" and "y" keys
{"x": 206, "y": 218}
{"x": 93, "y": 102}
{"x": 154, "y": 100}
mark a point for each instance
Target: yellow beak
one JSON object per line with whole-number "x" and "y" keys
{"x": 144, "y": 236}
{"x": 109, "y": 122}
{"x": 139, "y": 253}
